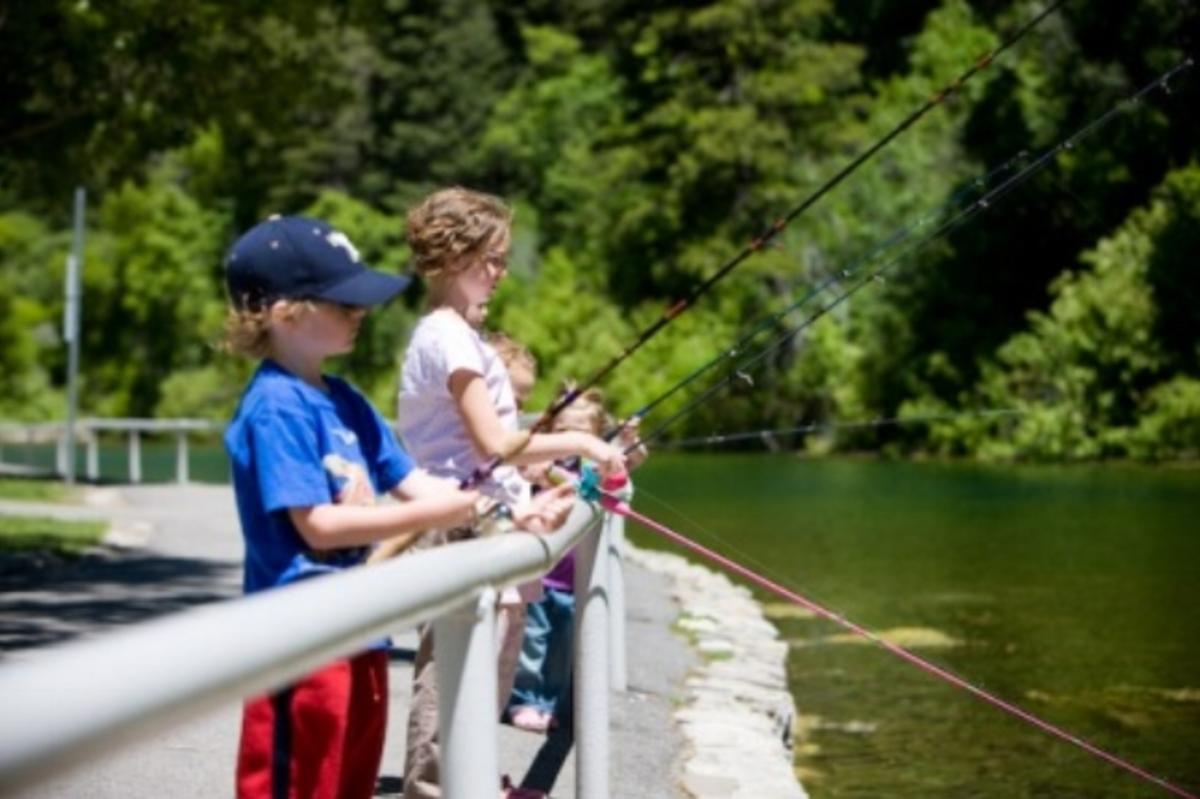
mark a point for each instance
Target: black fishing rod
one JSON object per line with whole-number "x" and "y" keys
{"x": 979, "y": 205}
{"x": 544, "y": 421}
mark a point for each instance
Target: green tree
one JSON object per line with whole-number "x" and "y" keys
{"x": 29, "y": 328}
{"x": 977, "y": 290}
{"x": 91, "y": 92}
{"x": 1091, "y": 372}
{"x": 441, "y": 67}
{"x": 153, "y": 302}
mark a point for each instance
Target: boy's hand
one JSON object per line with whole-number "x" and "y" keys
{"x": 547, "y": 511}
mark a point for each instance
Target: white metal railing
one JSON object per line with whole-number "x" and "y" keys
{"x": 84, "y": 698}
{"x": 88, "y": 431}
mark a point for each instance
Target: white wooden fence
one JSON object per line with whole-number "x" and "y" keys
{"x": 15, "y": 435}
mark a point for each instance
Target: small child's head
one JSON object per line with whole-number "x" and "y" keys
{"x": 459, "y": 240}
{"x": 585, "y": 415}
{"x": 295, "y": 272}
{"x": 520, "y": 364}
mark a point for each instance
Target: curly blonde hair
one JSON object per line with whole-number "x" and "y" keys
{"x": 449, "y": 226}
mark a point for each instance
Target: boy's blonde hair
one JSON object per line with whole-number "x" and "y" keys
{"x": 248, "y": 331}
{"x": 450, "y": 225}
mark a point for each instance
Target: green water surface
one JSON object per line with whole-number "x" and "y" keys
{"x": 1071, "y": 592}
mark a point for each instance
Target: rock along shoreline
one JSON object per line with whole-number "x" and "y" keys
{"x": 737, "y": 715}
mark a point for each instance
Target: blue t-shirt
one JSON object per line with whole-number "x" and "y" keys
{"x": 292, "y": 445}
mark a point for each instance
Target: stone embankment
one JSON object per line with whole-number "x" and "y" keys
{"x": 737, "y": 715}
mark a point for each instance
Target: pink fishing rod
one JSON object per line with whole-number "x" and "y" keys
{"x": 621, "y": 508}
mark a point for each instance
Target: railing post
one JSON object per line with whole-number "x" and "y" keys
{"x": 464, "y": 654}
{"x": 591, "y": 666}
{"x": 135, "y": 457}
{"x": 181, "y": 457}
{"x": 60, "y": 454}
{"x": 617, "y": 673}
{"x": 93, "y": 456}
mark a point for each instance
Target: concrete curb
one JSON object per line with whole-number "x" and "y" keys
{"x": 738, "y": 715}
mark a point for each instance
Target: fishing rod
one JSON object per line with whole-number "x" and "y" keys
{"x": 979, "y": 205}
{"x": 614, "y": 504}
{"x": 820, "y": 427}
{"x": 896, "y": 237}
{"x": 951, "y": 89}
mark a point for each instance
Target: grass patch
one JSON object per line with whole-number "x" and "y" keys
{"x": 36, "y": 490}
{"x": 24, "y": 533}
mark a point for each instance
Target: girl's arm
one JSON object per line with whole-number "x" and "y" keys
{"x": 419, "y": 484}
{"x": 547, "y": 511}
{"x": 332, "y": 526}
{"x": 491, "y": 439}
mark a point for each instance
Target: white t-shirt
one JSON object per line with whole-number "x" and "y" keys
{"x": 433, "y": 431}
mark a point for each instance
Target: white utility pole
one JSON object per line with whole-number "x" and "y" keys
{"x": 71, "y": 329}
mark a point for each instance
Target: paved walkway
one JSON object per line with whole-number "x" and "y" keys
{"x": 182, "y": 549}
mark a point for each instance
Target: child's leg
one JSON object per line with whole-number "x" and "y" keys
{"x": 560, "y": 658}
{"x": 421, "y": 777}
{"x": 528, "y": 690}
{"x": 320, "y": 738}
{"x": 368, "y": 724}
{"x": 510, "y": 631}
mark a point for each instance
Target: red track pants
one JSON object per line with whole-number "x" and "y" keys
{"x": 321, "y": 738}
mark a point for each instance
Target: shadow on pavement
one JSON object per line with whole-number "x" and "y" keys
{"x": 46, "y": 599}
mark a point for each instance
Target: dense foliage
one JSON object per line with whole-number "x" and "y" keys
{"x": 643, "y": 144}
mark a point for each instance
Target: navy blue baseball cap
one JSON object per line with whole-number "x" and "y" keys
{"x": 297, "y": 258}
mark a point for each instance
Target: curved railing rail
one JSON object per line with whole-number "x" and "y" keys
{"x": 84, "y": 698}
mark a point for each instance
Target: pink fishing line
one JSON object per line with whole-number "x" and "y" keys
{"x": 621, "y": 508}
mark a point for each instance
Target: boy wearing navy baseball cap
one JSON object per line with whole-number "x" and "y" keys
{"x": 309, "y": 457}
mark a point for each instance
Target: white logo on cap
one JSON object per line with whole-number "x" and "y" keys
{"x": 336, "y": 238}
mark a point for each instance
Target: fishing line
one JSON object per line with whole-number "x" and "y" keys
{"x": 615, "y": 505}
{"x": 980, "y": 205}
{"x": 893, "y": 421}
{"x": 702, "y": 532}
{"x": 544, "y": 421}
{"x": 896, "y": 237}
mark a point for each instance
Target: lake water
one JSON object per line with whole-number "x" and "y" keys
{"x": 1071, "y": 592}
